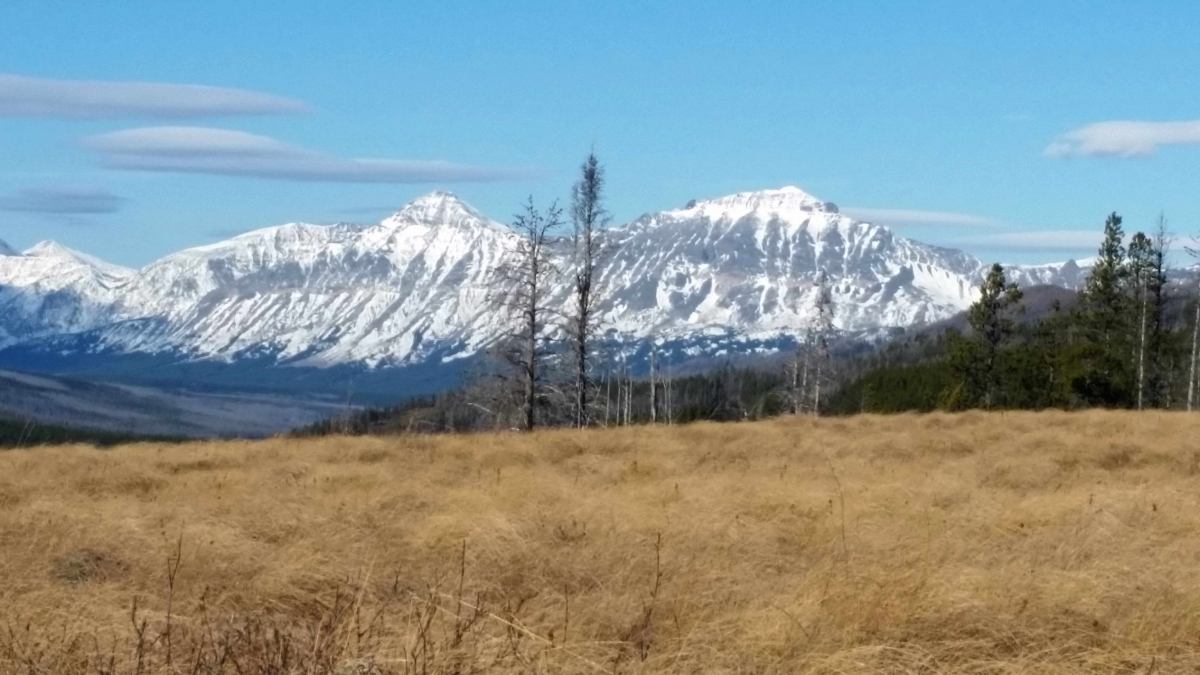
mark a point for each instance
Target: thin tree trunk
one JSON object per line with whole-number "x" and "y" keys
{"x": 668, "y": 402}
{"x": 1192, "y": 371}
{"x": 530, "y": 371}
{"x": 628, "y": 395}
{"x": 653, "y": 389}
{"x": 803, "y": 388}
{"x": 621, "y": 396}
{"x": 796, "y": 394}
{"x": 817, "y": 390}
{"x": 607, "y": 395}
{"x": 1141, "y": 384}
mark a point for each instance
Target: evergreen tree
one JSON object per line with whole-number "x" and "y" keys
{"x": 991, "y": 326}
{"x": 1105, "y": 317}
{"x": 1158, "y": 340}
{"x": 1138, "y": 272}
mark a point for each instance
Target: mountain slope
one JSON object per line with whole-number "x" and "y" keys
{"x": 750, "y": 262}
{"x": 419, "y": 287}
{"x": 50, "y": 290}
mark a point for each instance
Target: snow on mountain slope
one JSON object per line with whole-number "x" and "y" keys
{"x": 1069, "y": 274}
{"x": 50, "y": 289}
{"x": 416, "y": 286}
{"x": 750, "y": 262}
{"x": 317, "y": 295}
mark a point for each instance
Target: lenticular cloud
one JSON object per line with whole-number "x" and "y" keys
{"x": 38, "y": 97}
{"x": 236, "y": 153}
{"x": 1124, "y": 139}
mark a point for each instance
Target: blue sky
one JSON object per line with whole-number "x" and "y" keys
{"x": 984, "y": 126}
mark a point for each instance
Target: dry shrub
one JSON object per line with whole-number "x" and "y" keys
{"x": 977, "y": 543}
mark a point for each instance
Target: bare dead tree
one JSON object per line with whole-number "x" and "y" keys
{"x": 653, "y": 385}
{"x": 822, "y": 330}
{"x": 628, "y": 390}
{"x": 1191, "y": 396}
{"x": 668, "y": 400}
{"x": 526, "y": 295}
{"x": 589, "y": 218}
{"x": 1194, "y": 251}
{"x": 607, "y": 394}
{"x": 798, "y": 374}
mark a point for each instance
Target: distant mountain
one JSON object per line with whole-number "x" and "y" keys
{"x": 51, "y": 290}
{"x": 416, "y": 289}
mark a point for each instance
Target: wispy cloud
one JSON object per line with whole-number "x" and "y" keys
{"x": 1123, "y": 139}
{"x": 36, "y": 97}
{"x": 236, "y": 153}
{"x": 1038, "y": 240}
{"x": 907, "y": 217}
{"x": 62, "y": 200}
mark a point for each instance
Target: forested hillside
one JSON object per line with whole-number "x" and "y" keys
{"x": 1128, "y": 341}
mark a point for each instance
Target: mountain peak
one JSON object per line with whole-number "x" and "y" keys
{"x": 49, "y": 248}
{"x": 6, "y": 250}
{"x": 437, "y": 206}
{"x": 52, "y": 250}
{"x": 785, "y": 201}
{"x": 436, "y": 209}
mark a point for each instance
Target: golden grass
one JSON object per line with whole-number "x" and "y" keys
{"x": 981, "y": 543}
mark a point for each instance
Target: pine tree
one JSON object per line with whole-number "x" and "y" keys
{"x": 1140, "y": 264}
{"x": 1158, "y": 338}
{"x": 1105, "y": 317}
{"x": 990, "y": 322}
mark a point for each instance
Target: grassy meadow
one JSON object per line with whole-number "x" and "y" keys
{"x": 975, "y": 543}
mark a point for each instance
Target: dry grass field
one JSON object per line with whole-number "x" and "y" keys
{"x": 977, "y": 543}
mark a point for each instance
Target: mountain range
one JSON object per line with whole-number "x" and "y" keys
{"x": 415, "y": 293}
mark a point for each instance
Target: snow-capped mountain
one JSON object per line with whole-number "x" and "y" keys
{"x": 420, "y": 286}
{"x": 51, "y": 290}
{"x": 749, "y": 263}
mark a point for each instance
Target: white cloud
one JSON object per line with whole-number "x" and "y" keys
{"x": 35, "y": 97}
{"x": 236, "y": 153}
{"x": 62, "y": 200}
{"x": 1123, "y": 139}
{"x": 907, "y": 217}
{"x": 1038, "y": 240}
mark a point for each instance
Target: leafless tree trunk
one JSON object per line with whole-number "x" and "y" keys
{"x": 803, "y": 395}
{"x": 797, "y": 392}
{"x": 823, "y": 328}
{"x": 589, "y": 218}
{"x": 529, "y": 276}
{"x": 653, "y": 387}
{"x": 1141, "y": 370}
{"x": 1191, "y": 396}
{"x": 668, "y": 397}
{"x": 1195, "y": 351}
{"x": 628, "y": 394}
{"x": 607, "y": 395}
